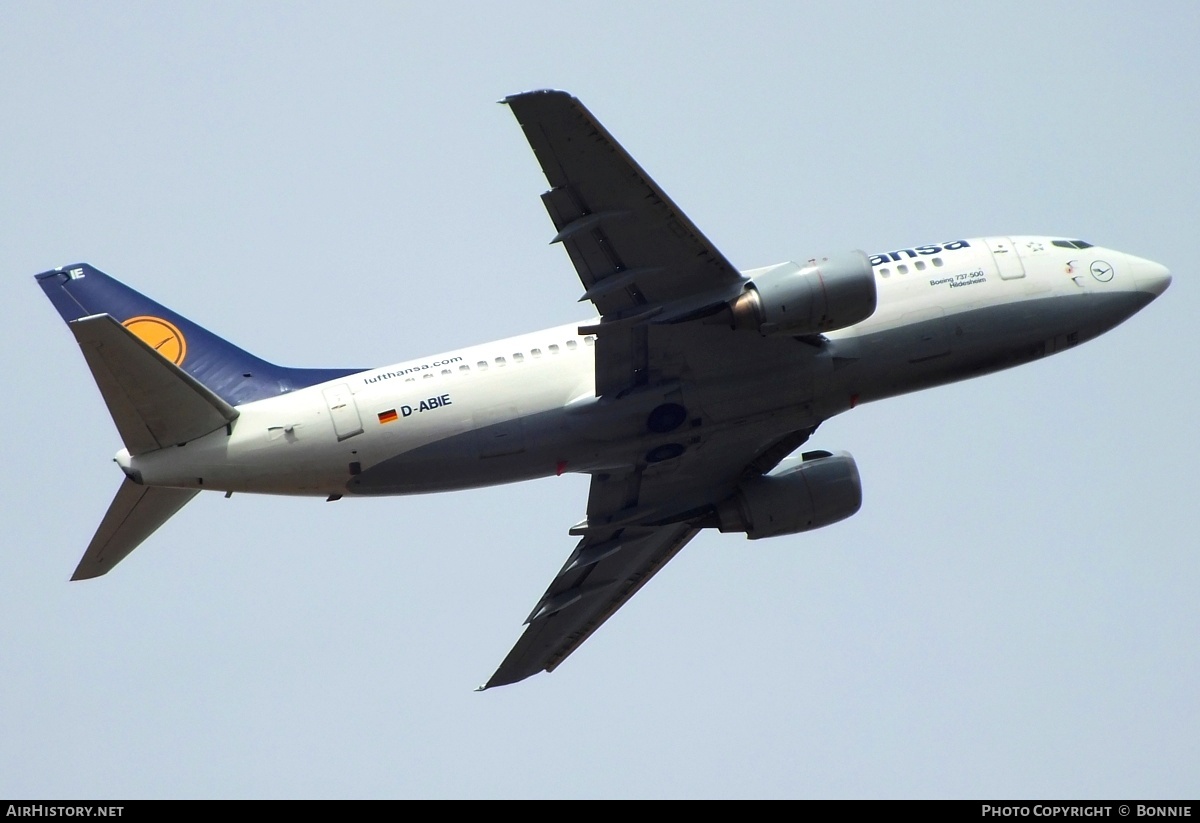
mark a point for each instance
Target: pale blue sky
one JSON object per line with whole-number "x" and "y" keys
{"x": 1013, "y": 613}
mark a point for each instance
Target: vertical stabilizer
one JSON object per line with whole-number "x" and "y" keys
{"x": 234, "y": 375}
{"x": 135, "y": 513}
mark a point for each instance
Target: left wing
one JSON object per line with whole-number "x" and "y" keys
{"x": 638, "y": 256}
{"x": 632, "y": 247}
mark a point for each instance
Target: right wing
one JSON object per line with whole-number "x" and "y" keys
{"x": 638, "y": 519}
{"x": 599, "y": 576}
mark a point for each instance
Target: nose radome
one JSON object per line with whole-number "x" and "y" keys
{"x": 1150, "y": 276}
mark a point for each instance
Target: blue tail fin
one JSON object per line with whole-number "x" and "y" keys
{"x": 234, "y": 375}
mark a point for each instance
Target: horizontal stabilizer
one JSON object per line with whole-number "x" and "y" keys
{"x": 136, "y": 512}
{"x": 153, "y": 402}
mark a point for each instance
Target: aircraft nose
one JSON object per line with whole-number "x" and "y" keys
{"x": 1152, "y": 278}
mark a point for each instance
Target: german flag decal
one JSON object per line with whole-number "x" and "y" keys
{"x": 388, "y": 416}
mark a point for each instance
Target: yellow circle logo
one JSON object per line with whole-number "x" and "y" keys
{"x": 159, "y": 335}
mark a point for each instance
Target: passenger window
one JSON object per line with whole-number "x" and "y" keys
{"x": 536, "y": 352}
{"x": 589, "y": 340}
{"x": 464, "y": 367}
{"x": 902, "y": 269}
{"x": 554, "y": 348}
{"x": 500, "y": 361}
{"x": 937, "y": 262}
{"x": 518, "y": 357}
{"x": 483, "y": 365}
{"x": 571, "y": 344}
{"x": 885, "y": 272}
{"x": 427, "y": 375}
{"x": 920, "y": 264}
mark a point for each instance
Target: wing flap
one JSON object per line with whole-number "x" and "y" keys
{"x": 134, "y": 514}
{"x": 153, "y": 402}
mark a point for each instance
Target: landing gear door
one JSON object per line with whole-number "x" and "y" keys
{"x": 343, "y": 411}
{"x": 1007, "y": 260}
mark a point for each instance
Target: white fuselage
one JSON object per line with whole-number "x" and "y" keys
{"x": 525, "y": 406}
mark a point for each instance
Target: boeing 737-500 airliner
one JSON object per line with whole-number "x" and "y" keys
{"x": 686, "y": 401}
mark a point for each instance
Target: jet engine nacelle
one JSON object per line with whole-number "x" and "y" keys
{"x": 822, "y": 296}
{"x": 800, "y": 495}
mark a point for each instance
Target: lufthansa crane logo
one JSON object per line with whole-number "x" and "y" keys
{"x": 1102, "y": 271}
{"x": 159, "y": 335}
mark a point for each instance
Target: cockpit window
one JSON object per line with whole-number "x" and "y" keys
{"x": 1071, "y": 244}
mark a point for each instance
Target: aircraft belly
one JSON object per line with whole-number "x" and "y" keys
{"x": 503, "y": 449}
{"x": 945, "y": 348}
{"x": 722, "y": 375}
{"x": 787, "y": 395}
